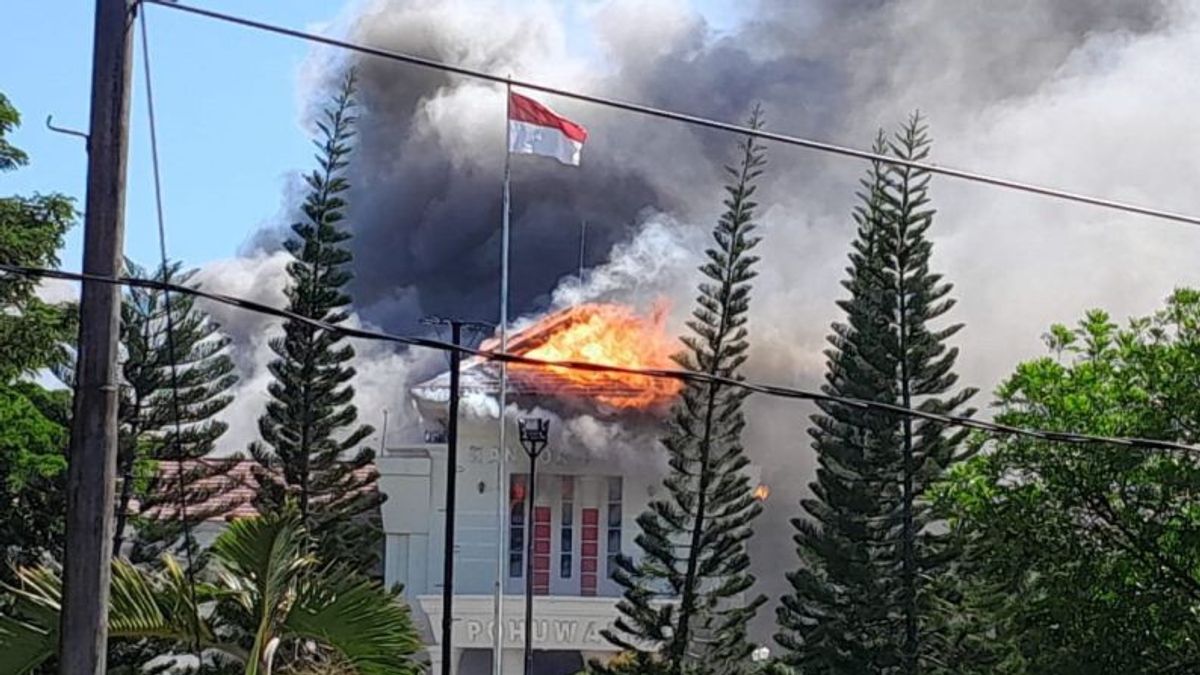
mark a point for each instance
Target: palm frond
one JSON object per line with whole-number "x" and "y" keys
{"x": 29, "y": 622}
{"x": 264, "y": 570}
{"x": 369, "y": 626}
{"x": 157, "y": 604}
{"x": 142, "y": 604}
{"x": 263, "y": 559}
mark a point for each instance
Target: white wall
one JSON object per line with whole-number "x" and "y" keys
{"x": 413, "y": 478}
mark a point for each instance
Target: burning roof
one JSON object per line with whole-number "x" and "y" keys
{"x": 603, "y": 333}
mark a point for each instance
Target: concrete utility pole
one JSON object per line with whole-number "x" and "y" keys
{"x": 93, "y": 449}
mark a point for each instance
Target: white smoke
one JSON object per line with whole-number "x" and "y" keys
{"x": 657, "y": 262}
{"x": 380, "y": 382}
{"x": 259, "y": 278}
{"x": 55, "y": 291}
{"x": 612, "y": 444}
{"x": 616, "y": 444}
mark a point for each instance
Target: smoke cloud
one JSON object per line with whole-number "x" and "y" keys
{"x": 1092, "y": 95}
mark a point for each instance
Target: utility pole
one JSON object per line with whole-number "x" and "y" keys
{"x": 456, "y": 327}
{"x": 92, "y": 457}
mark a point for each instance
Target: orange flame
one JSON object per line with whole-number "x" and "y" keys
{"x": 608, "y": 334}
{"x": 761, "y": 492}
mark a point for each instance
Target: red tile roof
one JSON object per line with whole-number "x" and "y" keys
{"x": 233, "y": 492}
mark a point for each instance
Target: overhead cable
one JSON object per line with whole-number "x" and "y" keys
{"x": 181, "y": 514}
{"x": 695, "y": 120}
{"x": 661, "y": 373}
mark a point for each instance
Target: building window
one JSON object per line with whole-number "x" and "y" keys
{"x": 516, "y": 525}
{"x": 566, "y": 544}
{"x": 614, "y": 523}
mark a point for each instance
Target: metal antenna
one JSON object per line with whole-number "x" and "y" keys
{"x": 582, "y": 246}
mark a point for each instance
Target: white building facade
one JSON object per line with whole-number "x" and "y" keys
{"x": 585, "y": 511}
{"x": 584, "y": 516}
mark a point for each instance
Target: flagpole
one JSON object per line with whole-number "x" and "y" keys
{"x": 502, "y": 496}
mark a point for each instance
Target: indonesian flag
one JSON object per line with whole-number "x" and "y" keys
{"x": 534, "y": 129}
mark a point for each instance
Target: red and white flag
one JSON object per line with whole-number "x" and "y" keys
{"x": 534, "y": 129}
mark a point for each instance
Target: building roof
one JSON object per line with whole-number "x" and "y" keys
{"x": 231, "y": 494}
{"x": 481, "y": 376}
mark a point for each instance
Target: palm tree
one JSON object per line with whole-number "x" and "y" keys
{"x": 262, "y": 597}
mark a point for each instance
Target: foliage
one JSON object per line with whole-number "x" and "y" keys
{"x": 32, "y": 468}
{"x": 310, "y": 441}
{"x": 32, "y": 332}
{"x": 264, "y": 599}
{"x": 1088, "y": 553}
{"x": 776, "y": 668}
{"x": 10, "y": 157}
{"x": 861, "y": 599}
{"x": 33, "y": 335}
{"x": 686, "y": 602}
{"x": 147, "y": 415}
{"x": 165, "y": 486}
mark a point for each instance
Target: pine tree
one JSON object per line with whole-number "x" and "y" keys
{"x": 838, "y": 618}
{"x": 694, "y": 541}
{"x": 166, "y": 481}
{"x": 857, "y": 602}
{"x": 310, "y": 440}
{"x": 927, "y": 378}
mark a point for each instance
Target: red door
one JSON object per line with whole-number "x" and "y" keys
{"x": 589, "y": 552}
{"x": 541, "y": 550}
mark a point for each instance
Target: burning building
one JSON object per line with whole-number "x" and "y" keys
{"x": 601, "y": 468}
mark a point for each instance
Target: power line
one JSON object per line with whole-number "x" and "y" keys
{"x": 189, "y": 541}
{"x": 662, "y": 373}
{"x": 695, "y": 120}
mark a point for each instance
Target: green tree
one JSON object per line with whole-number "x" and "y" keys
{"x": 857, "y": 602}
{"x": 33, "y": 332}
{"x": 265, "y": 600}
{"x": 162, "y": 497}
{"x": 32, "y": 464}
{"x": 837, "y": 618}
{"x": 1087, "y": 553}
{"x": 686, "y": 603}
{"x": 166, "y": 486}
{"x": 310, "y": 449}
{"x": 11, "y": 157}
{"x": 33, "y": 337}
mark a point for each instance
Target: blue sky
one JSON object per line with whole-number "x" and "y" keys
{"x": 227, "y": 107}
